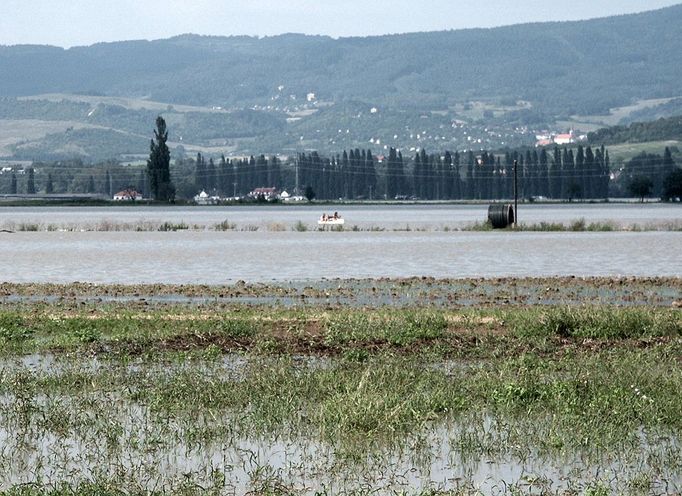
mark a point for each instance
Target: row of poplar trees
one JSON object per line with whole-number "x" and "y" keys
{"x": 237, "y": 177}
{"x": 358, "y": 174}
{"x": 455, "y": 176}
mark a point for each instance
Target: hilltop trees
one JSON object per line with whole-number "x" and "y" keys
{"x": 158, "y": 164}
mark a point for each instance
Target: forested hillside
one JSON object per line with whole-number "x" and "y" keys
{"x": 567, "y": 68}
{"x": 639, "y": 132}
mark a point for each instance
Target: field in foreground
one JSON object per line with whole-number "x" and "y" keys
{"x": 417, "y": 386}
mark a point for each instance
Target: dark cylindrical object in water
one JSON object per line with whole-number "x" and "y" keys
{"x": 501, "y": 215}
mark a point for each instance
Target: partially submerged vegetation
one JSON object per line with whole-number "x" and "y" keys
{"x": 121, "y": 396}
{"x": 577, "y": 225}
{"x": 580, "y": 225}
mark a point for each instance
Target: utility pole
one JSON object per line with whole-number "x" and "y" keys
{"x": 516, "y": 194}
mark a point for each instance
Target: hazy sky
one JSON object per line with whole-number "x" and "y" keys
{"x": 83, "y": 22}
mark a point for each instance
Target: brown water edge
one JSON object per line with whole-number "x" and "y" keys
{"x": 398, "y": 292}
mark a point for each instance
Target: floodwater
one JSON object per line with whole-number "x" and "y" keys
{"x": 108, "y": 436}
{"x": 433, "y": 462}
{"x": 260, "y": 254}
{"x": 427, "y": 217}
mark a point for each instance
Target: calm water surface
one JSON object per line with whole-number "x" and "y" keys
{"x": 224, "y": 257}
{"x": 266, "y": 248}
{"x": 385, "y": 216}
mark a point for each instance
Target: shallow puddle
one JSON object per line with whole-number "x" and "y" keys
{"x": 104, "y": 435}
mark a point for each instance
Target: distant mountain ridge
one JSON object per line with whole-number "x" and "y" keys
{"x": 563, "y": 68}
{"x": 450, "y": 90}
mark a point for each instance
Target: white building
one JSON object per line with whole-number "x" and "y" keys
{"x": 127, "y": 195}
{"x": 204, "y": 198}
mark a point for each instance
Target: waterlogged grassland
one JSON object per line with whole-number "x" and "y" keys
{"x": 138, "y": 397}
{"x": 118, "y": 329}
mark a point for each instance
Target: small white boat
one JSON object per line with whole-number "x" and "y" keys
{"x": 331, "y": 222}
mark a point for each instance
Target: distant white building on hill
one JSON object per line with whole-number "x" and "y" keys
{"x": 565, "y": 139}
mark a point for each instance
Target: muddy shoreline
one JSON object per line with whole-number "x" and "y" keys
{"x": 382, "y": 292}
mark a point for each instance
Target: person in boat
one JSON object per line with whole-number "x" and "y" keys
{"x": 324, "y": 217}
{"x": 336, "y": 215}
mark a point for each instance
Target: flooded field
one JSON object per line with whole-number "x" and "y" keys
{"x": 259, "y": 244}
{"x": 261, "y": 356}
{"x": 150, "y": 442}
{"x": 201, "y": 398}
{"x": 390, "y": 217}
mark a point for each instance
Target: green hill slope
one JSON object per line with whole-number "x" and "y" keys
{"x": 573, "y": 67}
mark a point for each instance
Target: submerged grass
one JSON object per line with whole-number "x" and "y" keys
{"x": 135, "y": 382}
{"x": 594, "y": 401}
{"x": 577, "y": 225}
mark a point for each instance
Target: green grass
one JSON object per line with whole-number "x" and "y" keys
{"x": 469, "y": 332}
{"x": 605, "y": 323}
{"x": 597, "y": 384}
{"x": 622, "y": 153}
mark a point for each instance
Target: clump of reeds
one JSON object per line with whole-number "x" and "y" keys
{"x": 300, "y": 226}
{"x": 173, "y": 226}
{"x": 225, "y": 225}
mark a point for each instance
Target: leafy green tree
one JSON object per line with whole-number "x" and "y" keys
{"x": 158, "y": 164}
{"x": 200, "y": 173}
{"x": 641, "y": 186}
{"x": 392, "y": 175}
{"x": 31, "y": 182}
{"x": 49, "y": 187}
{"x": 211, "y": 175}
{"x": 470, "y": 176}
{"x": 543, "y": 174}
{"x": 672, "y": 185}
{"x": 309, "y": 193}
{"x": 370, "y": 175}
{"x": 556, "y": 174}
{"x": 589, "y": 174}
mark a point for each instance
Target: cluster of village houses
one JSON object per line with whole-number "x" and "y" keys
{"x": 267, "y": 194}
{"x": 203, "y": 198}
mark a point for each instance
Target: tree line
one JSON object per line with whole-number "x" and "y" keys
{"x": 358, "y": 174}
{"x": 559, "y": 173}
